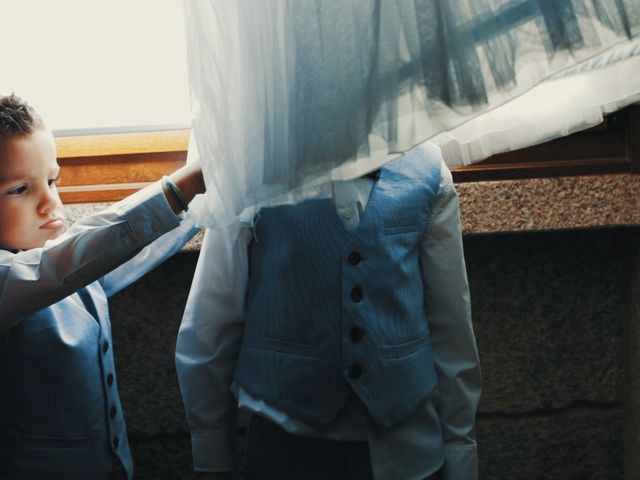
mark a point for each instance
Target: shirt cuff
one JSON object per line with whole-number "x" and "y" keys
{"x": 460, "y": 461}
{"x": 213, "y": 451}
{"x": 148, "y": 213}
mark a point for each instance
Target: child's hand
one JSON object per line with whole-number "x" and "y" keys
{"x": 190, "y": 183}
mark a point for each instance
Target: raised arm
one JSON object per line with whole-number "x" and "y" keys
{"x": 35, "y": 278}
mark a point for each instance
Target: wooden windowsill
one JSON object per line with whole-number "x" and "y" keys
{"x": 610, "y": 147}
{"x": 102, "y": 168}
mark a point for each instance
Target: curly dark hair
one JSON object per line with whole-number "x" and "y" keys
{"x": 17, "y": 117}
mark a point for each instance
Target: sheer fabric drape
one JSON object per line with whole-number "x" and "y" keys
{"x": 290, "y": 94}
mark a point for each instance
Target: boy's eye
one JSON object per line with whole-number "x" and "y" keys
{"x": 53, "y": 181}
{"x": 18, "y": 190}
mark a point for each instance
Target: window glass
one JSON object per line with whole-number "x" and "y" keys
{"x": 92, "y": 66}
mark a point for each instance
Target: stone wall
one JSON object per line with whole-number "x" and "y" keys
{"x": 550, "y": 312}
{"x": 554, "y": 321}
{"x": 145, "y": 319}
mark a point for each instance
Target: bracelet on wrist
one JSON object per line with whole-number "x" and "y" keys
{"x": 175, "y": 193}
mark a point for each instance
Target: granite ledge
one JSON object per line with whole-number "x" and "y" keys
{"x": 543, "y": 204}
{"x": 529, "y": 205}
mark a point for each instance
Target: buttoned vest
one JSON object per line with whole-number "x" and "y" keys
{"x": 60, "y": 414}
{"x": 331, "y": 313}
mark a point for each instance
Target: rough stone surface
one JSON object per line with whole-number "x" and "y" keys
{"x": 538, "y": 204}
{"x": 549, "y": 312}
{"x": 579, "y": 444}
{"x": 145, "y": 319}
{"x": 164, "y": 458}
{"x": 632, "y": 433}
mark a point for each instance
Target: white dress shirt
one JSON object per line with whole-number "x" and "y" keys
{"x": 211, "y": 333}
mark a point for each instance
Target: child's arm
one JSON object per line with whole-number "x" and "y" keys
{"x": 208, "y": 345}
{"x": 189, "y": 181}
{"x": 448, "y": 310}
{"x": 150, "y": 256}
{"x": 33, "y": 279}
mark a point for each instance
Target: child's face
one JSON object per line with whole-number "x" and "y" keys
{"x": 30, "y": 207}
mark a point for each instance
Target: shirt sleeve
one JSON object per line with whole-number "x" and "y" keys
{"x": 208, "y": 345}
{"x": 150, "y": 256}
{"x": 33, "y": 279}
{"x": 448, "y": 310}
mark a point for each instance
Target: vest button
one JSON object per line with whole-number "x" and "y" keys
{"x": 105, "y": 346}
{"x": 115, "y": 441}
{"x": 112, "y": 411}
{"x": 355, "y": 371}
{"x": 356, "y": 334}
{"x": 110, "y": 379}
{"x": 357, "y": 294}
{"x": 354, "y": 258}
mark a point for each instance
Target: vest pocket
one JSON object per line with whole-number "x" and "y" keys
{"x": 403, "y": 222}
{"x": 45, "y": 457}
{"x": 405, "y": 349}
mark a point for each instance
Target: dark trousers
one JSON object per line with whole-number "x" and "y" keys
{"x": 275, "y": 454}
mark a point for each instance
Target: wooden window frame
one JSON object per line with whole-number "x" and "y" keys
{"x": 610, "y": 147}
{"x": 105, "y": 168}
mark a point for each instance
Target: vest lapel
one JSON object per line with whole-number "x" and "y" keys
{"x": 85, "y": 297}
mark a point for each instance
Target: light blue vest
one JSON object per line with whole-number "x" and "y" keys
{"x": 60, "y": 414}
{"x": 330, "y": 313}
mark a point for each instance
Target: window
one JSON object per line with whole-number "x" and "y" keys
{"x": 611, "y": 147}
{"x": 110, "y": 80}
{"x": 90, "y": 66}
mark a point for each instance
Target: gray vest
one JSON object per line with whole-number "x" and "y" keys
{"x": 330, "y": 313}
{"x": 59, "y": 405}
